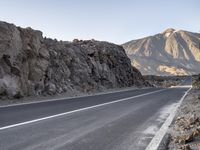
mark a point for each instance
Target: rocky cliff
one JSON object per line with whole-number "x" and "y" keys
{"x": 33, "y": 65}
{"x": 173, "y": 52}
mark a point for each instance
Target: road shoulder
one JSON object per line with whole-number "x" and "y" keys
{"x": 40, "y": 98}
{"x": 159, "y": 140}
{"x": 184, "y": 132}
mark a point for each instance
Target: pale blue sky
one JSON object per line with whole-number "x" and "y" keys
{"x": 116, "y": 21}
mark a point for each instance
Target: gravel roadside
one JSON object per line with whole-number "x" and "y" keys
{"x": 185, "y": 130}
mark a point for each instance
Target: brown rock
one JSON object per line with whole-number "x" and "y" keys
{"x": 189, "y": 138}
{"x": 33, "y": 65}
{"x": 185, "y": 147}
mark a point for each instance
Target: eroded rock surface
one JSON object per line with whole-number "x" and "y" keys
{"x": 33, "y": 65}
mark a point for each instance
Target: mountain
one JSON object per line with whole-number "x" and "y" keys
{"x": 33, "y": 65}
{"x": 173, "y": 52}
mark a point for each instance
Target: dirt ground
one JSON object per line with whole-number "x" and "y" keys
{"x": 185, "y": 130}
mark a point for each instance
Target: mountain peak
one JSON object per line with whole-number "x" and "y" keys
{"x": 175, "y": 53}
{"x": 169, "y": 31}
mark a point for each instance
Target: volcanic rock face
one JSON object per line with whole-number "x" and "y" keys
{"x": 33, "y": 65}
{"x": 169, "y": 53}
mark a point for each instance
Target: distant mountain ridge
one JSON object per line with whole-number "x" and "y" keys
{"x": 173, "y": 52}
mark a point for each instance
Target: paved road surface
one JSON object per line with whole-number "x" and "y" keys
{"x": 119, "y": 121}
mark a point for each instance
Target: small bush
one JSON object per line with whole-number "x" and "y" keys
{"x": 196, "y": 81}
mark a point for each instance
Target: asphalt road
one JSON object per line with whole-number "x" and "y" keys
{"x": 113, "y": 121}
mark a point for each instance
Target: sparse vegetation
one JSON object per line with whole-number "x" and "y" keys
{"x": 164, "y": 81}
{"x": 196, "y": 81}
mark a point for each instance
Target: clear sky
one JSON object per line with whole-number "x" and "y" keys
{"x": 115, "y": 21}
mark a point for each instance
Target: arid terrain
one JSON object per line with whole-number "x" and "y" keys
{"x": 172, "y": 52}
{"x": 99, "y": 75}
{"x": 32, "y": 65}
{"x": 185, "y": 130}
{"x": 164, "y": 81}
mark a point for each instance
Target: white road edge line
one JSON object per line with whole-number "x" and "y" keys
{"x": 78, "y": 110}
{"x": 157, "y": 139}
{"x": 67, "y": 98}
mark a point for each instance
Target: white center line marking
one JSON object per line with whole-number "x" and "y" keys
{"x": 78, "y": 110}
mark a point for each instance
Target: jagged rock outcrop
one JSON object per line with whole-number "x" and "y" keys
{"x": 173, "y": 52}
{"x": 33, "y": 65}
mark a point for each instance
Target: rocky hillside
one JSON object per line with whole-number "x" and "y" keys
{"x": 169, "y": 53}
{"x": 33, "y": 65}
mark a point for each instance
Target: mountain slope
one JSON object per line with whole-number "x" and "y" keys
{"x": 169, "y": 53}
{"x": 33, "y": 65}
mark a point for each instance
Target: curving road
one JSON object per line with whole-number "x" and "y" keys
{"x": 114, "y": 121}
